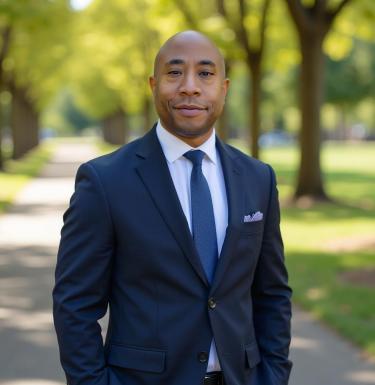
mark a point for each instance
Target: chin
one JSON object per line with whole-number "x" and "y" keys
{"x": 191, "y": 131}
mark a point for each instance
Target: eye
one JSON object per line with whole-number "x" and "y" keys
{"x": 174, "y": 72}
{"x": 206, "y": 74}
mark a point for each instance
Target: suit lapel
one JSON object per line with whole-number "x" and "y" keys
{"x": 236, "y": 197}
{"x": 154, "y": 172}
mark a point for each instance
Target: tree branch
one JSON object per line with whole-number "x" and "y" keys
{"x": 298, "y": 13}
{"x": 189, "y": 17}
{"x": 221, "y": 8}
{"x": 263, "y": 24}
{"x": 332, "y": 15}
{"x": 320, "y": 8}
{"x": 5, "y": 35}
{"x": 240, "y": 30}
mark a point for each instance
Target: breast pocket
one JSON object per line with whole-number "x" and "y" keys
{"x": 252, "y": 227}
{"x": 137, "y": 358}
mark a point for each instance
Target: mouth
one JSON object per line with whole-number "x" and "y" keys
{"x": 189, "y": 110}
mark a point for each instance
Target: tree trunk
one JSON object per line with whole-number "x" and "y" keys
{"x": 1, "y": 140}
{"x": 5, "y": 37}
{"x": 2, "y": 126}
{"x": 313, "y": 22}
{"x": 4, "y": 123}
{"x": 223, "y": 125}
{"x": 254, "y": 64}
{"x": 114, "y": 128}
{"x": 310, "y": 182}
{"x": 344, "y": 128}
{"x": 147, "y": 113}
{"x": 24, "y": 123}
{"x": 223, "y": 121}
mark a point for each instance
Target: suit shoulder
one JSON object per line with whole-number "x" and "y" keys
{"x": 115, "y": 158}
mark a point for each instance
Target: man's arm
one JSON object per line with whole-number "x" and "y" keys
{"x": 271, "y": 300}
{"x": 83, "y": 270}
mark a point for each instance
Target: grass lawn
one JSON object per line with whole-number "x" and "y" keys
{"x": 325, "y": 242}
{"x": 21, "y": 171}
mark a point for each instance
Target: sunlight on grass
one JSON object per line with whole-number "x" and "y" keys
{"x": 315, "y": 268}
{"x": 18, "y": 173}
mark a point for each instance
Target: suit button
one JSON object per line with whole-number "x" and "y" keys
{"x": 211, "y": 303}
{"x": 203, "y": 357}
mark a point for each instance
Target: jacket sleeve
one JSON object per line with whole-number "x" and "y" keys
{"x": 83, "y": 270}
{"x": 272, "y": 300}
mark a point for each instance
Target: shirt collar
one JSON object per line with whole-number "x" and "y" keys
{"x": 174, "y": 148}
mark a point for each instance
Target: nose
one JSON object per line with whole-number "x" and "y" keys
{"x": 189, "y": 85}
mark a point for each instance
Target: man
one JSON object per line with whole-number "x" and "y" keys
{"x": 179, "y": 234}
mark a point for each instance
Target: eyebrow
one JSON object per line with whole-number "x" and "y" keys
{"x": 201, "y": 62}
{"x": 207, "y": 63}
{"x": 175, "y": 61}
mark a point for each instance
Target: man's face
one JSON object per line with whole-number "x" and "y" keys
{"x": 189, "y": 88}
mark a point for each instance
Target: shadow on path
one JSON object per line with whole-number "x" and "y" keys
{"x": 28, "y": 341}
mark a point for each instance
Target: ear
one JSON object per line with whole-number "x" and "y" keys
{"x": 226, "y": 83}
{"x": 152, "y": 82}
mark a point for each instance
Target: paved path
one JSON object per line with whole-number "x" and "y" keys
{"x": 320, "y": 357}
{"x": 29, "y": 234}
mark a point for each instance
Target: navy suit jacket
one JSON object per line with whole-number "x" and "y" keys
{"x": 126, "y": 243}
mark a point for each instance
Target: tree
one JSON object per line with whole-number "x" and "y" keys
{"x": 5, "y": 37}
{"x": 203, "y": 20}
{"x": 350, "y": 81}
{"x": 313, "y": 22}
{"x": 251, "y": 37}
{"x": 112, "y": 63}
{"x": 247, "y": 21}
{"x": 32, "y": 63}
{"x": 24, "y": 120}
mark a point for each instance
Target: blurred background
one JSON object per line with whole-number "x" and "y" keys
{"x": 73, "y": 85}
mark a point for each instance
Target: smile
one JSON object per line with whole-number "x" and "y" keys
{"x": 189, "y": 110}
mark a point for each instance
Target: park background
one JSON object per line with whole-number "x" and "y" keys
{"x": 302, "y": 98}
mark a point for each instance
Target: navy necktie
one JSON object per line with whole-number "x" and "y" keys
{"x": 203, "y": 220}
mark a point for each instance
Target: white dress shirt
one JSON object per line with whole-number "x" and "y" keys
{"x": 180, "y": 169}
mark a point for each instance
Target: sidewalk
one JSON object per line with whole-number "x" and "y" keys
{"x": 29, "y": 235}
{"x": 320, "y": 357}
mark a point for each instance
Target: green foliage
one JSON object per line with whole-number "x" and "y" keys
{"x": 237, "y": 98}
{"x": 39, "y": 46}
{"x": 64, "y": 117}
{"x": 351, "y": 79}
{"x": 104, "y": 54}
{"x": 114, "y": 58}
{"x": 356, "y": 21}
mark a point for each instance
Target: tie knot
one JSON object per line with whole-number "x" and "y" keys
{"x": 195, "y": 156}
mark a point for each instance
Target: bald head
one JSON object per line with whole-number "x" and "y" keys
{"x": 189, "y": 86}
{"x": 189, "y": 41}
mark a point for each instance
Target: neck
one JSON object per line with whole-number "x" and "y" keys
{"x": 195, "y": 141}
{"x": 192, "y": 141}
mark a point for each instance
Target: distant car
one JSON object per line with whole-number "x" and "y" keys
{"x": 276, "y": 139}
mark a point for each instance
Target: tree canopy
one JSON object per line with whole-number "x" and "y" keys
{"x": 92, "y": 65}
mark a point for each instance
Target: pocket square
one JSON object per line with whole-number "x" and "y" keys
{"x": 258, "y": 216}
